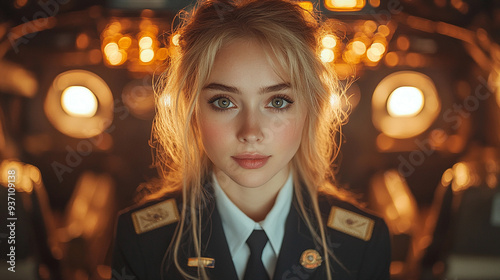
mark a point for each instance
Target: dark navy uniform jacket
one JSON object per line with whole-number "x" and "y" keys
{"x": 144, "y": 256}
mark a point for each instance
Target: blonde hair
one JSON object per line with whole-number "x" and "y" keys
{"x": 292, "y": 35}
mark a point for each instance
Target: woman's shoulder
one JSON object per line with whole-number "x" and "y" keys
{"x": 150, "y": 214}
{"x": 350, "y": 217}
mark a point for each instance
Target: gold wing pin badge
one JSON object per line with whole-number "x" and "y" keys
{"x": 351, "y": 223}
{"x": 155, "y": 216}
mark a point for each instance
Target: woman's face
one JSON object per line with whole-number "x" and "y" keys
{"x": 250, "y": 120}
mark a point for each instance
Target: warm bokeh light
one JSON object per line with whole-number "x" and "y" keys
{"x": 78, "y": 101}
{"x": 329, "y": 41}
{"x": 146, "y": 42}
{"x": 345, "y": 5}
{"x": 111, "y": 48}
{"x": 327, "y": 55}
{"x": 79, "y": 104}
{"x": 358, "y": 47}
{"x": 447, "y": 177}
{"x": 23, "y": 172}
{"x": 391, "y": 59}
{"x": 405, "y": 102}
{"x": 18, "y": 4}
{"x": 378, "y": 48}
{"x": 391, "y": 195}
{"x": 125, "y": 42}
{"x": 175, "y": 39}
{"x": 116, "y": 58}
{"x": 462, "y": 176}
{"x": 162, "y": 54}
{"x": 384, "y": 30}
{"x": 147, "y": 55}
{"x": 369, "y": 27}
{"x": 82, "y": 41}
{"x": 373, "y": 55}
{"x": 374, "y": 3}
{"x": 403, "y": 43}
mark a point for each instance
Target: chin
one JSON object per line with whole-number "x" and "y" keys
{"x": 254, "y": 181}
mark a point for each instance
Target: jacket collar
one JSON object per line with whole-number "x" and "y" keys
{"x": 297, "y": 239}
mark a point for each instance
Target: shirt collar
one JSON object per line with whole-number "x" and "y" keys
{"x": 238, "y": 226}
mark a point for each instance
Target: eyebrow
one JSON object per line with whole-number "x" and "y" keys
{"x": 221, "y": 87}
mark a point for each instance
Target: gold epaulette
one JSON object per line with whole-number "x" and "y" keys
{"x": 351, "y": 223}
{"x": 155, "y": 216}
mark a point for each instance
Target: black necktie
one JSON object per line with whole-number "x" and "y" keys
{"x": 255, "y": 268}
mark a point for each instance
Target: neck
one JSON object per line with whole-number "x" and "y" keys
{"x": 255, "y": 202}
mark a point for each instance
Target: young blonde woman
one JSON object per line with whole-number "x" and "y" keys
{"x": 245, "y": 136}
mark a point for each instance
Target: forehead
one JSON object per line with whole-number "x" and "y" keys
{"x": 246, "y": 61}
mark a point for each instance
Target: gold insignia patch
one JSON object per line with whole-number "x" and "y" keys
{"x": 351, "y": 223}
{"x": 155, "y": 216}
{"x": 206, "y": 262}
{"x": 310, "y": 259}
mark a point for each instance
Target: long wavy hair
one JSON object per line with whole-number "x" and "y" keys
{"x": 292, "y": 36}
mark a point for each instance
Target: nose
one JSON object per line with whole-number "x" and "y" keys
{"x": 250, "y": 130}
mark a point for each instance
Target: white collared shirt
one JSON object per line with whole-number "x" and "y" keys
{"x": 238, "y": 227}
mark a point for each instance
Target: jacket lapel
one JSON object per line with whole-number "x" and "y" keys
{"x": 218, "y": 249}
{"x": 297, "y": 239}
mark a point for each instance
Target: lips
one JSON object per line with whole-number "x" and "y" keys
{"x": 251, "y": 161}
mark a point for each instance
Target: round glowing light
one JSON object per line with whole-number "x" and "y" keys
{"x": 162, "y": 54}
{"x": 329, "y": 42}
{"x": 146, "y": 42}
{"x": 125, "y": 42}
{"x": 373, "y": 55}
{"x": 378, "y": 48}
{"x": 384, "y": 30}
{"x": 327, "y": 55}
{"x": 78, "y": 101}
{"x": 403, "y": 43}
{"x": 82, "y": 41}
{"x": 175, "y": 39}
{"x": 147, "y": 55}
{"x": 399, "y": 110}
{"x": 405, "y": 102}
{"x": 116, "y": 58}
{"x": 343, "y": 3}
{"x": 462, "y": 176}
{"x": 391, "y": 59}
{"x": 110, "y": 48}
{"x": 370, "y": 26}
{"x": 358, "y": 47}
